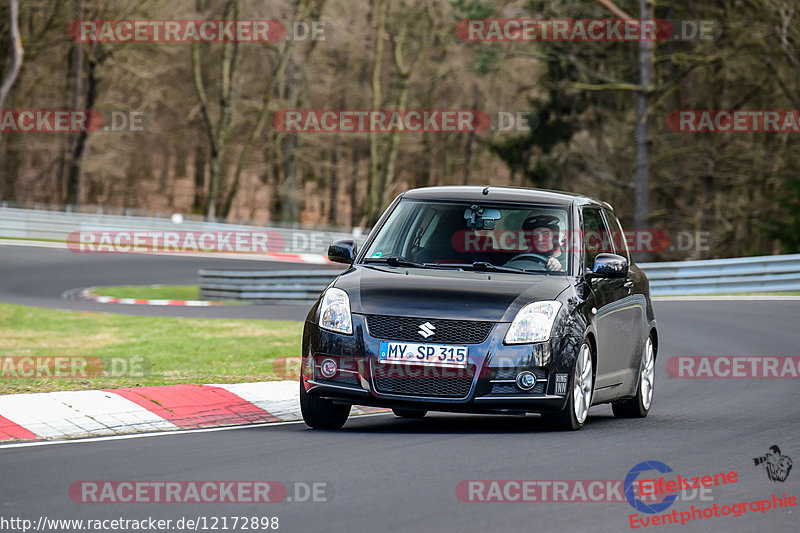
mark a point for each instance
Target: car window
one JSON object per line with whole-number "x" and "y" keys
{"x": 596, "y": 237}
{"x": 528, "y": 238}
{"x": 618, "y": 235}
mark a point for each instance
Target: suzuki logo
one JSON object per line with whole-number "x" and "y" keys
{"x": 426, "y": 329}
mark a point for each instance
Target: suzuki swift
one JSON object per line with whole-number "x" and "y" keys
{"x": 483, "y": 300}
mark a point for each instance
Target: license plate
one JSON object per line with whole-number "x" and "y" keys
{"x": 423, "y": 354}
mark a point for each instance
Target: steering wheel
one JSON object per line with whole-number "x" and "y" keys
{"x": 537, "y": 257}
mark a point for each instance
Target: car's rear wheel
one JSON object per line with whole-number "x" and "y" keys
{"x": 581, "y": 388}
{"x": 409, "y": 413}
{"x": 320, "y": 413}
{"x": 639, "y": 405}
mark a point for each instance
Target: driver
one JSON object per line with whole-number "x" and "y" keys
{"x": 543, "y": 232}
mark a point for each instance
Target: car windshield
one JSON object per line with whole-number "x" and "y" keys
{"x": 473, "y": 236}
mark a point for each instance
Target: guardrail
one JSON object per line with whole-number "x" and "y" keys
{"x": 300, "y": 286}
{"x": 717, "y": 276}
{"x": 770, "y": 273}
{"x": 58, "y": 225}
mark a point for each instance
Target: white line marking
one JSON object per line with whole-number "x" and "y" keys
{"x": 160, "y": 433}
{"x": 722, "y": 298}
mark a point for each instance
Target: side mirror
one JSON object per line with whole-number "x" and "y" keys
{"x": 609, "y": 266}
{"x": 342, "y": 252}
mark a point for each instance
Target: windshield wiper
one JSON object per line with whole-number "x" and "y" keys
{"x": 395, "y": 261}
{"x": 483, "y": 266}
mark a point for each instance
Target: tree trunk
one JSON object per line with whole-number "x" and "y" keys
{"x": 16, "y": 51}
{"x": 642, "y": 178}
{"x": 199, "y": 179}
{"x": 333, "y": 183}
{"x": 74, "y": 169}
{"x": 375, "y": 155}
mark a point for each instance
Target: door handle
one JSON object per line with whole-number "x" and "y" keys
{"x": 628, "y": 284}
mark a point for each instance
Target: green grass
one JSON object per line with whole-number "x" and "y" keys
{"x": 151, "y": 292}
{"x": 157, "y": 292}
{"x": 36, "y": 239}
{"x": 175, "y": 350}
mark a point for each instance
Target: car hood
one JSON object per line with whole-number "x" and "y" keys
{"x": 445, "y": 293}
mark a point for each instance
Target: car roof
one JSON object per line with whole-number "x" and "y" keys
{"x": 500, "y": 194}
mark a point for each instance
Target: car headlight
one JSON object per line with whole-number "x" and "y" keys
{"x": 533, "y": 323}
{"x": 334, "y": 312}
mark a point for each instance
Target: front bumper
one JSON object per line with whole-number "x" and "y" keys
{"x": 487, "y": 385}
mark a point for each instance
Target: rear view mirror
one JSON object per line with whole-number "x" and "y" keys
{"x": 478, "y": 217}
{"x": 610, "y": 266}
{"x": 342, "y": 252}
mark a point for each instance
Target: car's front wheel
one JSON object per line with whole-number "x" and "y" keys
{"x": 639, "y": 405}
{"x": 409, "y": 413}
{"x": 574, "y": 414}
{"x": 320, "y": 413}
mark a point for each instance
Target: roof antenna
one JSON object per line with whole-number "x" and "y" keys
{"x": 486, "y": 191}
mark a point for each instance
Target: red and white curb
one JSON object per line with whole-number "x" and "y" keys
{"x": 77, "y": 414}
{"x": 86, "y": 294}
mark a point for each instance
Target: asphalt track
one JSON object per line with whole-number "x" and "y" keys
{"x": 387, "y": 474}
{"x": 39, "y": 276}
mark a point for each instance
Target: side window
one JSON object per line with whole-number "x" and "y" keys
{"x": 618, "y": 235}
{"x": 596, "y": 237}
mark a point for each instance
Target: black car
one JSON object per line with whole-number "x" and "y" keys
{"x": 483, "y": 300}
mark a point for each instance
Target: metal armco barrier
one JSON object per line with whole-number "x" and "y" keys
{"x": 299, "y": 286}
{"x": 769, "y": 273}
{"x": 772, "y": 273}
{"x": 58, "y": 225}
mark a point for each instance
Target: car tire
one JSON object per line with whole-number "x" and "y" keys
{"x": 639, "y": 405}
{"x": 580, "y": 392}
{"x": 409, "y": 413}
{"x": 319, "y": 413}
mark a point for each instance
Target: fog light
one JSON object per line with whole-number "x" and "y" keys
{"x": 526, "y": 380}
{"x": 328, "y": 368}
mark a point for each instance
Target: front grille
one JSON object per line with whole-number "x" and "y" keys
{"x": 400, "y": 328}
{"x": 415, "y": 380}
